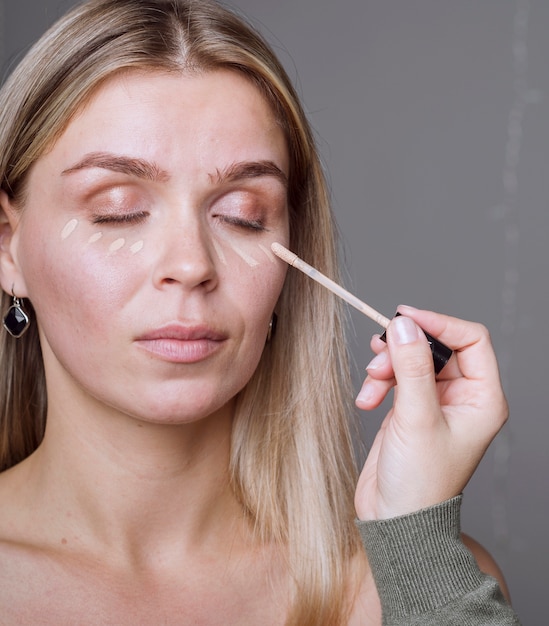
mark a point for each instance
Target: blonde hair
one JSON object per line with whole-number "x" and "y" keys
{"x": 292, "y": 464}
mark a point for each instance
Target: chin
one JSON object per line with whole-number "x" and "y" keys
{"x": 178, "y": 414}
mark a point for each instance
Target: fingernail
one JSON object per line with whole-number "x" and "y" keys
{"x": 365, "y": 394}
{"x": 405, "y": 330}
{"x": 377, "y": 362}
{"x": 405, "y": 307}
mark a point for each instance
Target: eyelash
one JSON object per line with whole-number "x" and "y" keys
{"x": 137, "y": 218}
{"x": 123, "y": 218}
{"x": 255, "y": 225}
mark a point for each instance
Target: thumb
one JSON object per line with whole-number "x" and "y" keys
{"x": 416, "y": 398}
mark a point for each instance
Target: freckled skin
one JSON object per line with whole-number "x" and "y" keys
{"x": 133, "y": 526}
{"x": 131, "y": 479}
{"x": 91, "y": 309}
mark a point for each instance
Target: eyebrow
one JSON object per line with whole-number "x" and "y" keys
{"x": 249, "y": 169}
{"x": 118, "y": 163}
{"x": 141, "y": 168}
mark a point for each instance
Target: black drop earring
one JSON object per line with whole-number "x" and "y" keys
{"x": 16, "y": 320}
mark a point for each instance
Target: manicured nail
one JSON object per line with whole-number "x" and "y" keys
{"x": 404, "y": 307}
{"x": 378, "y": 361}
{"x": 405, "y": 330}
{"x": 365, "y": 394}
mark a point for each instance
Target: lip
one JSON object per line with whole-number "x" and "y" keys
{"x": 178, "y": 343}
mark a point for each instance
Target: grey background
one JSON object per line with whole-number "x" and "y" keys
{"x": 433, "y": 121}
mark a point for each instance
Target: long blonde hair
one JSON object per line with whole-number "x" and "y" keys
{"x": 292, "y": 464}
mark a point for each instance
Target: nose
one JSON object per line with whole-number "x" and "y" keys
{"x": 185, "y": 255}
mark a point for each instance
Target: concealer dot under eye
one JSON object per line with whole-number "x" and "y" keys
{"x": 116, "y": 245}
{"x": 137, "y": 246}
{"x": 95, "y": 237}
{"x": 69, "y": 228}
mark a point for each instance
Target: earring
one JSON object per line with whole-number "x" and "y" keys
{"x": 16, "y": 320}
{"x": 272, "y": 327}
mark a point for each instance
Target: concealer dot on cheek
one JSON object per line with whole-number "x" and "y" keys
{"x": 69, "y": 228}
{"x": 244, "y": 256}
{"x": 267, "y": 253}
{"x": 137, "y": 246}
{"x": 95, "y": 237}
{"x": 116, "y": 245}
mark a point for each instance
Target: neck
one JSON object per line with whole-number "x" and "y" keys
{"x": 134, "y": 488}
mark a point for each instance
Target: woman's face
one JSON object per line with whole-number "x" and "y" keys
{"x": 144, "y": 244}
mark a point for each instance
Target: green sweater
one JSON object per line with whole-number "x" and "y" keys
{"x": 425, "y": 576}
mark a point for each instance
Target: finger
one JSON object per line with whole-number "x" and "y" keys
{"x": 373, "y": 393}
{"x": 451, "y": 370}
{"x": 380, "y": 366}
{"x": 376, "y": 344}
{"x": 470, "y": 341}
{"x": 412, "y": 363}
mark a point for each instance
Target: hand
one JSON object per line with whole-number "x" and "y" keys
{"x": 437, "y": 430}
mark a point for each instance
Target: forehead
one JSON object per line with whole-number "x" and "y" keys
{"x": 169, "y": 115}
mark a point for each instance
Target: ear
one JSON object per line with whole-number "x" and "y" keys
{"x": 11, "y": 278}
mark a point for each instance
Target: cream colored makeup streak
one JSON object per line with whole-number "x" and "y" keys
{"x": 69, "y": 228}
{"x": 268, "y": 253}
{"x": 137, "y": 246}
{"x": 95, "y": 237}
{"x": 244, "y": 256}
{"x": 116, "y": 245}
{"x": 219, "y": 251}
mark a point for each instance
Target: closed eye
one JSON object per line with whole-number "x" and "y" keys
{"x": 256, "y": 225}
{"x": 121, "y": 218}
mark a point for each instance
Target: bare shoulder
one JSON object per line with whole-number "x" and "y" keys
{"x": 18, "y": 589}
{"x": 26, "y": 570}
{"x": 486, "y": 562}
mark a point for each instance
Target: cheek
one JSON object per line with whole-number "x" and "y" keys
{"x": 254, "y": 270}
{"x": 250, "y": 280}
{"x": 80, "y": 279}
{"x": 256, "y": 292}
{"x": 251, "y": 251}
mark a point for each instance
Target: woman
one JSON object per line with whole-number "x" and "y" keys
{"x": 171, "y": 454}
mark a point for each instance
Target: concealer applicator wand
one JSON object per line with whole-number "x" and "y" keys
{"x": 441, "y": 353}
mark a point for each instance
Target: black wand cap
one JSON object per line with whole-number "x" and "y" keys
{"x": 441, "y": 353}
